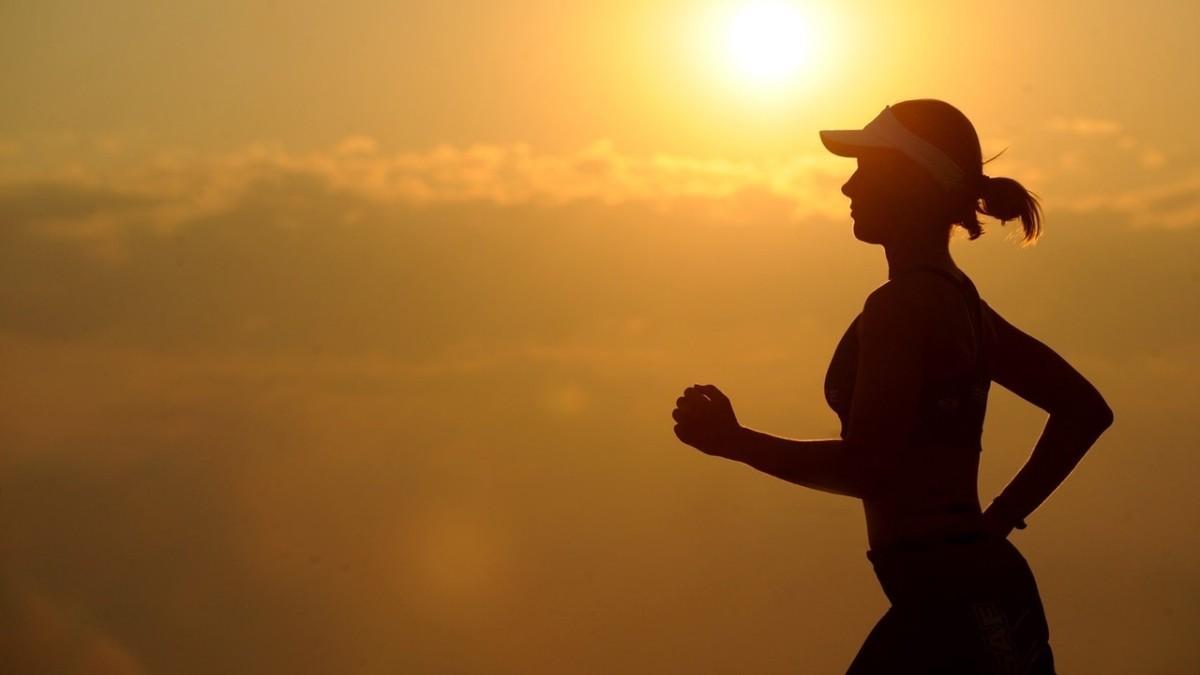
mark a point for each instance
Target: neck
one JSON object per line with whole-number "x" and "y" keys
{"x": 912, "y": 254}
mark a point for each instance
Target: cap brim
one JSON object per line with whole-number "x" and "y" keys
{"x": 849, "y": 142}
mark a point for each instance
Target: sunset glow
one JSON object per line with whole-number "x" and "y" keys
{"x": 345, "y": 337}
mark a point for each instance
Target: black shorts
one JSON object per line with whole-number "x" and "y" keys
{"x": 964, "y": 606}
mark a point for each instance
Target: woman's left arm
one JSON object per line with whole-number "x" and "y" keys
{"x": 882, "y": 414}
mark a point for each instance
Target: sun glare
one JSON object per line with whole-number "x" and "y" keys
{"x": 768, "y": 45}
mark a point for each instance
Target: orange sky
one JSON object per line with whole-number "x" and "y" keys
{"x": 347, "y": 340}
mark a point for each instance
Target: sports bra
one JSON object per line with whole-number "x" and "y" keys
{"x": 950, "y": 410}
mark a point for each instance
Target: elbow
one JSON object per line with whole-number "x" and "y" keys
{"x": 1098, "y": 415}
{"x": 1094, "y": 414}
{"x": 1103, "y": 416}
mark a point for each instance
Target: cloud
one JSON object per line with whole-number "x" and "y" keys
{"x": 173, "y": 188}
{"x": 1171, "y": 205}
{"x": 103, "y": 206}
{"x": 271, "y": 252}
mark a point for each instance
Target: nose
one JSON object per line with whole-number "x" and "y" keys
{"x": 849, "y": 185}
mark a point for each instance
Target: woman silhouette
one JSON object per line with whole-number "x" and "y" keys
{"x": 909, "y": 381}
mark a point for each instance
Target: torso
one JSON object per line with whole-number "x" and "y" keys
{"x": 934, "y": 493}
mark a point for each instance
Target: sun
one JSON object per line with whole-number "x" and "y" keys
{"x": 769, "y": 44}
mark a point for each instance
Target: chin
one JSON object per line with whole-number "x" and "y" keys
{"x": 867, "y": 234}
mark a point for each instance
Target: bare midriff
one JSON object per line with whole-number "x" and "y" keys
{"x": 935, "y": 495}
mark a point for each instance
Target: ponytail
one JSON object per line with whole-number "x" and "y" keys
{"x": 1005, "y": 199}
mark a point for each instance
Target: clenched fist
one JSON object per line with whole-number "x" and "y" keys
{"x": 704, "y": 419}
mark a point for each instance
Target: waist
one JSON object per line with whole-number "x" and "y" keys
{"x": 907, "y": 525}
{"x": 925, "y": 543}
{"x": 964, "y": 567}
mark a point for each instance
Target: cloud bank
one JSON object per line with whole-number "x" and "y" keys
{"x": 264, "y": 413}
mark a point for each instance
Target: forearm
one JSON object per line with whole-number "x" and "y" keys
{"x": 1063, "y": 443}
{"x": 819, "y": 464}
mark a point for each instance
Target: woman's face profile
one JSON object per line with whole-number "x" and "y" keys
{"x": 889, "y": 195}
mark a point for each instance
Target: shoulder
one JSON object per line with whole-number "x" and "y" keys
{"x": 899, "y": 302}
{"x": 894, "y": 314}
{"x": 904, "y": 291}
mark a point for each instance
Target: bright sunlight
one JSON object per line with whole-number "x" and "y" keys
{"x": 769, "y": 43}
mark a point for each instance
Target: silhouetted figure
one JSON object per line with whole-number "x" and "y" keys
{"x": 909, "y": 381}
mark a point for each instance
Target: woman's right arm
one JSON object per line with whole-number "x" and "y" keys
{"x": 1078, "y": 415}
